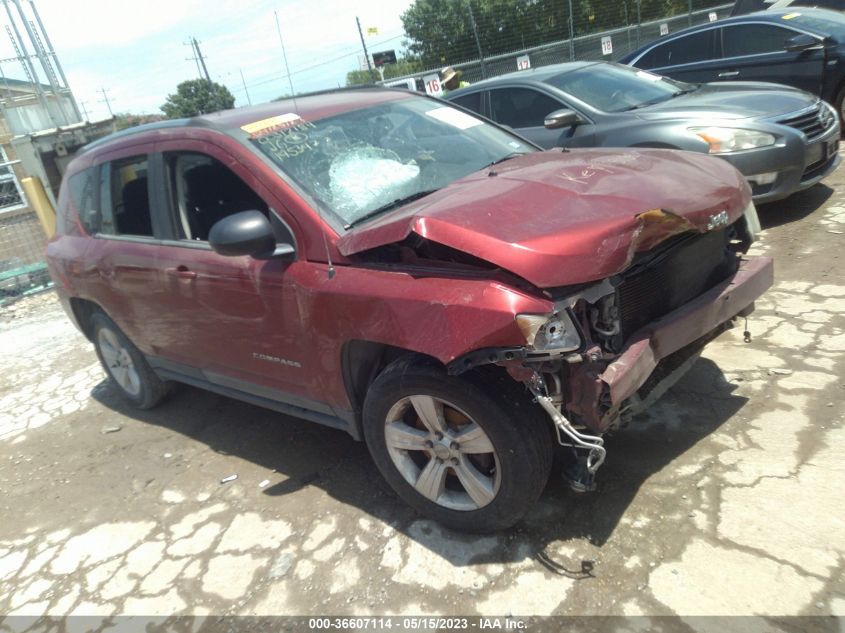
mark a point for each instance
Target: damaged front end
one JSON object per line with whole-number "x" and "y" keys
{"x": 610, "y": 349}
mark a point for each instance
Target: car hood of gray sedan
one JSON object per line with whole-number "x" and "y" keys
{"x": 731, "y": 100}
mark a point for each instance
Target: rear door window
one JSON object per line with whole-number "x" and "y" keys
{"x": 696, "y": 47}
{"x": 521, "y": 107}
{"x": 753, "y": 39}
{"x": 126, "y": 184}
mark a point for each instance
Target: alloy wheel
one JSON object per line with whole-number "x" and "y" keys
{"x": 442, "y": 452}
{"x": 118, "y": 362}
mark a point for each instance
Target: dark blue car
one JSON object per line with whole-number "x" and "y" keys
{"x": 800, "y": 47}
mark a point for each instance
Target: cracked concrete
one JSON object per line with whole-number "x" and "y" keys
{"x": 724, "y": 499}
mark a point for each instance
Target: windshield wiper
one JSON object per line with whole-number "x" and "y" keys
{"x": 506, "y": 157}
{"x": 685, "y": 91}
{"x": 645, "y": 104}
{"x": 387, "y": 207}
{"x": 677, "y": 93}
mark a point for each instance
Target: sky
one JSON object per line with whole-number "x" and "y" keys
{"x": 138, "y": 51}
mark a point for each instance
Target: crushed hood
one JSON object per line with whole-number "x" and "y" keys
{"x": 560, "y": 218}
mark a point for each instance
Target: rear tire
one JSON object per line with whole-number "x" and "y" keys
{"x": 471, "y": 452}
{"x": 125, "y": 365}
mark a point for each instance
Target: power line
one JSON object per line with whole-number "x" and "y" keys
{"x": 243, "y": 81}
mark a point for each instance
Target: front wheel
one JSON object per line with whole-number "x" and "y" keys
{"x": 471, "y": 453}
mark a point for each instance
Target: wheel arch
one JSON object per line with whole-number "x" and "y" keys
{"x": 83, "y": 310}
{"x": 361, "y": 362}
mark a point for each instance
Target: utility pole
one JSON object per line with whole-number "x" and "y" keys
{"x": 627, "y": 24}
{"x": 639, "y": 20}
{"x": 105, "y": 100}
{"x": 201, "y": 60}
{"x": 84, "y": 110}
{"x": 571, "y": 33}
{"x": 285, "y": 57}
{"x": 243, "y": 81}
{"x": 366, "y": 54}
{"x": 201, "y": 63}
{"x": 477, "y": 41}
{"x": 193, "y": 57}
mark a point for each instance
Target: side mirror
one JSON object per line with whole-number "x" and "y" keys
{"x": 562, "y": 118}
{"x": 246, "y": 233}
{"x": 801, "y": 42}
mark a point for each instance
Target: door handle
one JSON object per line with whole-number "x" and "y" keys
{"x": 732, "y": 73}
{"x": 181, "y": 272}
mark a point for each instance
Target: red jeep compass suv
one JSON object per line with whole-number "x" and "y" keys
{"x": 394, "y": 266}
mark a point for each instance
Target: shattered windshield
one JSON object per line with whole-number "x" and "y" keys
{"x": 364, "y": 162}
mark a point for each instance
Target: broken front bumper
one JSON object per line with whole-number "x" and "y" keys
{"x": 677, "y": 329}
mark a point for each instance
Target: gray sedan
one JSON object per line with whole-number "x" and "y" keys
{"x": 782, "y": 139}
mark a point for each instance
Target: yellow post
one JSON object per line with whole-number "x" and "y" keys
{"x": 39, "y": 201}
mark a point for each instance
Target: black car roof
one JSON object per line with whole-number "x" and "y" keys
{"x": 774, "y": 16}
{"x": 771, "y": 16}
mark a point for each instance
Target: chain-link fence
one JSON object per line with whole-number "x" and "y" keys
{"x": 609, "y": 44}
{"x": 22, "y": 240}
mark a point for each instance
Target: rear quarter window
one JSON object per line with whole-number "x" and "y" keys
{"x": 82, "y": 189}
{"x": 470, "y": 102}
{"x": 696, "y": 47}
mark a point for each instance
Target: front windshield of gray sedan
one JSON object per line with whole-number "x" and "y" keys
{"x": 828, "y": 23}
{"x": 615, "y": 88}
{"x": 362, "y": 163}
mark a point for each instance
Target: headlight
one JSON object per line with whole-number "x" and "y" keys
{"x": 726, "y": 140}
{"x": 549, "y": 332}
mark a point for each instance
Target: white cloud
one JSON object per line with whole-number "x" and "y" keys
{"x": 137, "y": 49}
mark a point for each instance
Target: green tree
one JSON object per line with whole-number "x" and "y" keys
{"x": 197, "y": 96}
{"x": 440, "y": 31}
{"x": 401, "y": 68}
{"x": 125, "y": 120}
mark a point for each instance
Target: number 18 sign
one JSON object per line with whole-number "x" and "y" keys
{"x": 523, "y": 62}
{"x": 606, "y": 45}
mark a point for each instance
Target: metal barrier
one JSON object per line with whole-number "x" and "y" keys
{"x": 585, "y": 47}
{"x": 22, "y": 239}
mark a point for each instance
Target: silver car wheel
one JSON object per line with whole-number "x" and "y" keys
{"x": 442, "y": 452}
{"x": 119, "y": 362}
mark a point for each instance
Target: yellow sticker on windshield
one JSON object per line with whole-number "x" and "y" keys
{"x": 273, "y": 124}
{"x": 790, "y": 16}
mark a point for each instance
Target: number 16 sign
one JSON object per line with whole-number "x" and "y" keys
{"x": 432, "y": 85}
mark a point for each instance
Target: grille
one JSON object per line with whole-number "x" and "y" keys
{"x": 813, "y": 123}
{"x": 663, "y": 281}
